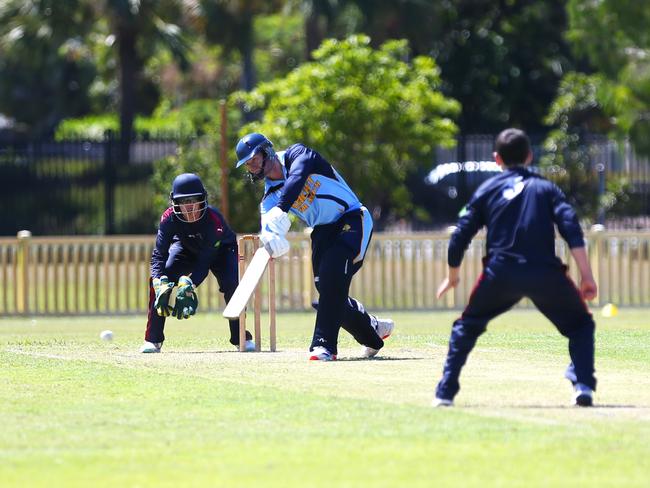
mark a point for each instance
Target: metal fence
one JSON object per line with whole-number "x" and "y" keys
{"x": 109, "y": 275}
{"x": 80, "y": 187}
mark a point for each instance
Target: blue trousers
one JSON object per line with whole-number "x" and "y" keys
{"x": 181, "y": 262}
{"x": 338, "y": 250}
{"x": 499, "y": 288}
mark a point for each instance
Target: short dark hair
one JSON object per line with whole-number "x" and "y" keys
{"x": 513, "y": 146}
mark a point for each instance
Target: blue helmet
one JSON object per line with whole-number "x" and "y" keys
{"x": 251, "y": 144}
{"x": 188, "y": 186}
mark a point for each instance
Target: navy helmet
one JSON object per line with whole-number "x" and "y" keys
{"x": 188, "y": 188}
{"x": 251, "y": 144}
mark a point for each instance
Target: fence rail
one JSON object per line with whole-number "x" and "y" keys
{"x": 109, "y": 275}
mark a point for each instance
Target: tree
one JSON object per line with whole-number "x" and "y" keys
{"x": 375, "y": 116}
{"x": 137, "y": 27}
{"x": 502, "y": 60}
{"x": 230, "y": 24}
{"x": 610, "y": 96}
{"x": 614, "y": 35}
{"x": 45, "y": 69}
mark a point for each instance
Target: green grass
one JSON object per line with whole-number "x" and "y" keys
{"x": 76, "y": 411}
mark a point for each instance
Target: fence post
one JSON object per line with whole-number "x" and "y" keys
{"x": 22, "y": 274}
{"x": 109, "y": 183}
{"x": 461, "y": 190}
{"x": 223, "y": 156}
{"x": 600, "y": 169}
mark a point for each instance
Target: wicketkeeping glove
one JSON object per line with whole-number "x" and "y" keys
{"x": 163, "y": 290}
{"x": 186, "y": 300}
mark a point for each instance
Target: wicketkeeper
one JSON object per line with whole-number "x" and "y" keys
{"x": 301, "y": 181}
{"x": 520, "y": 210}
{"x": 193, "y": 238}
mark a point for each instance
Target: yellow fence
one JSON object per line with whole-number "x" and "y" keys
{"x": 109, "y": 275}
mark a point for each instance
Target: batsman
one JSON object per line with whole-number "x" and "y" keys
{"x": 193, "y": 239}
{"x": 299, "y": 180}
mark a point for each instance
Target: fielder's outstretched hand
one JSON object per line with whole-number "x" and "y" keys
{"x": 162, "y": 287}
{"x": 186, "y": 300}
{"x": 451, "y": 281}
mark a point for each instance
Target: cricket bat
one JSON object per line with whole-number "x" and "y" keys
{"x": 247, "y": 284}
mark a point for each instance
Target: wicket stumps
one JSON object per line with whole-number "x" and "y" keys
{"x": 254, "y": 240}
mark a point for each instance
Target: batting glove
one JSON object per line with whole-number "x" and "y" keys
{"x": 275, "y": 244}
{"x": 186, "y": 300}
{"x": 276, "y": 221}
{"x": 162, "y": 287}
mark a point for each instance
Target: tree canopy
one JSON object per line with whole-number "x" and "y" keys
{"x": 374, "y": 116}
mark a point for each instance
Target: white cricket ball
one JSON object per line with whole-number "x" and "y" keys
{"x": 106, "y": 335}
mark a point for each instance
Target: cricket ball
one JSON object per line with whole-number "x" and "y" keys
{"x": 106, "y": 335}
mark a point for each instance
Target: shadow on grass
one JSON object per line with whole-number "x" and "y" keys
{"x": 560, "y": 407}
{"x": 344, "y": 359}
{"x": 382, "y": 358}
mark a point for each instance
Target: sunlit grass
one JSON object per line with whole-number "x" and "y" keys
{"x": 77, "y": 411}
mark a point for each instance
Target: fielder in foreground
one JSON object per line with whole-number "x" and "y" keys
{"x": 193, "y": 238}
{"x": 520, "y": 209}
{"x": 301, "y": 181}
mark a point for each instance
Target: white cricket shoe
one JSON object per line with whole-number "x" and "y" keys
{"x": 442, "y": 402}
{"x": 384, "y": 328}
{"x": 151, "y": 347}
{"x": 319, "y": 353}
{"x": 583, "y": 395}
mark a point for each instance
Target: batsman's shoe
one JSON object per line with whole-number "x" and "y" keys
{"x": 321, "y": 354}
{"x": 249, "y": 346}
{"x": 442, "y": 402}
{"x": 583, "y": 395}
{"x": 384, "y": 328}
{"x": 151, "y": 347}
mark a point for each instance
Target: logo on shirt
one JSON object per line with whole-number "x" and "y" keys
{"x": 307, "y": 195}
{"x": 514, "y": 190}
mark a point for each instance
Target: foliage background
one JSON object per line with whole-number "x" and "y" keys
{"x": 565, "y": 70}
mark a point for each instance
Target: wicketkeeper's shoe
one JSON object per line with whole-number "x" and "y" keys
{"x": 151, "y": 347}
{"x": 319, "y": 353}
{"x": 442, "y": 402}
{"x": 583, "y": 395}
{"x": 384, "y": 328}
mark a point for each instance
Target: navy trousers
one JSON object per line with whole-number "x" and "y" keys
{"x": 337, "y": 254}
{"x": 181, "y": 262}
{"x": 499, "y": 288}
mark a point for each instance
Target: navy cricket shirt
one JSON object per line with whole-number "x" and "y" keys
{"x": 202, "y": 239}
{"x": 520, "y": 210}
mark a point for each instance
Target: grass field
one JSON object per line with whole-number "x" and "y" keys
{"x": 76, "y": 411}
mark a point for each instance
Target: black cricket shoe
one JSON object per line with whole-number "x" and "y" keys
{"x": 584, "y": 396}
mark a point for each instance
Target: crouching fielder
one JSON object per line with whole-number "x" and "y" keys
{"x": 301, "y": 181}
{"x": 520, "y": 209}
{"x": 193, "y": 239}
